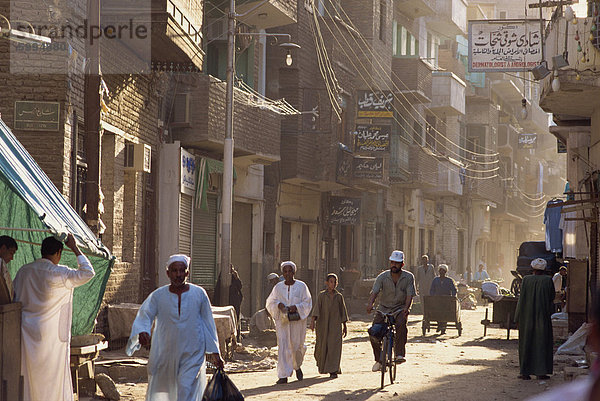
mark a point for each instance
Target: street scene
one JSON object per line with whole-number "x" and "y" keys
{"x": 299, "y": 199}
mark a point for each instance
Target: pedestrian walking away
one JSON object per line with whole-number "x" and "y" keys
{"x": 329, "y": 318}
{"x": 184, "y": 333}
{"x": 289, "y": 304}
{"x": 395, "y": 290}
{"x": 45, "y": 289}
{"x": 534, "y": 308}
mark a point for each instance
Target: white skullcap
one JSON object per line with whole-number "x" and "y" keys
{"x": 443, "y": 266}
{"x": 288, "y": 263}
{"x": 273, "y": 276}
{"x": 539, "y": 264}
{"x": 179, "y": 258}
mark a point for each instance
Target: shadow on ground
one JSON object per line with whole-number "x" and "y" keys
{"x": 292, "y": 385}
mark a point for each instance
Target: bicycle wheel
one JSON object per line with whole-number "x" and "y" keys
{"x": 383, "y": 358}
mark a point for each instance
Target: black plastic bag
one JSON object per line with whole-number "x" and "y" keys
{"x": 221, "y": 388}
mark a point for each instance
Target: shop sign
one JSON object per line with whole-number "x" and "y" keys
{"x": 344, "y": 211}
{"x": 188, "y": 173}
{"x": 368, "y": 167}
{"x": 373, "y": 138}
{"x": 37, "y": 116}
{"x": 375, "y": 104}
{"x": 560, "y": 147}
{"x": 344, "y": 166}
{"x": 504, "y": 45}
{"x": 527, "y": 141}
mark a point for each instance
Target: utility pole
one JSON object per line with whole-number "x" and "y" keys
{"x": 92, "y": 120}
{"x": 227, "y": 204}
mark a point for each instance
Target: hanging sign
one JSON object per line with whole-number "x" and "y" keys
{"x": 37, "y": 116}
{"x": 368, "y": 167}
{"x": 344, "y": 211}
{"x": 375, "y": 104}
{"x": 188, "y": 172}
{"x": 527, "y": 141}
{"x": 560, "y": 147}
{"x": 373, "y": 138}
{"x": 504, "y": 45}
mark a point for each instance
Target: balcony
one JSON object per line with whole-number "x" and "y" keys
{"x": 422, "y": 170}
{"x": 490, "y": 189}
{"x": 506, "y": 87}
{"x": 577, "y": 96}
{"x": 413, "y": 76}
{"x": 448, "y": 93}
{"x": 449, "y": 182}
{"x": 203, "y": 125}
{"x": 537, "y": 119}
{"x": 450, "y": 18}
{"x": 415, "y": 8}
{"x": 177, "y": 32}
{"x": 265, "y": 15}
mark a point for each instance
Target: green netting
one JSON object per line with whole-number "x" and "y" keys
{"x": 29, "y": 202}
{"x": 16, "y": 213}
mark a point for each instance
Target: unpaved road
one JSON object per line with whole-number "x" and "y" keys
{"x": 438, "y": 367}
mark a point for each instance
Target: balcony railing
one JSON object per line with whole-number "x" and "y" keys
{"x": 448, "y": 93}
{"x": 415, "y": 8}
{"x": 413, "y": 78}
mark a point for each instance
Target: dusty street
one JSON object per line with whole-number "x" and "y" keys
{"x": 446, "y": 367}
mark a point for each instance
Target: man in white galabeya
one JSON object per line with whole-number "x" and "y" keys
{"x": 45, "y": 289}
{"x": 395, "y": 289}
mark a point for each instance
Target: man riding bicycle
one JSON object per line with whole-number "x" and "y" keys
{"x": 396, "y": 289}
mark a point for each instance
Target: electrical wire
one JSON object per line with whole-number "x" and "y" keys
{"x": 400, "y": 114}
{"x": 375, "y": 57}
{"x": 383, "y": 76}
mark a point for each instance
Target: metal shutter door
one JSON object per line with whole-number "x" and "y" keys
{"x": 185, "y": 224}
{"x": 204, "y": 245}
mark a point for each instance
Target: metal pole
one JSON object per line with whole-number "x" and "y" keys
{"x": 227, "y": 200}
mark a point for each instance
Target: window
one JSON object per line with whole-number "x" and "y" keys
{"x": 382, "y": 18}
{"x": 433, "y": 44}
{"x": 404, "y": 44}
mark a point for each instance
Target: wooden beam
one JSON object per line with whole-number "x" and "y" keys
{"x": 578, "y": 208}
{"x": 574, "y": 202}
{"x": 546, "y": 4}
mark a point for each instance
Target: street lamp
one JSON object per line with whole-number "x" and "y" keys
{"x": 289, "y": 46}
{"x": 227, "y": 199}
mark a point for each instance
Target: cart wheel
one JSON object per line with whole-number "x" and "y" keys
{"x": 485, "y": 324}
{"x": 423, "y": 329}
{"x": 515, "y": 287}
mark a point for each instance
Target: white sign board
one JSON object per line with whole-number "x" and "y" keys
{"x": 504, "y": 45}
{"x": 188, "y": 172}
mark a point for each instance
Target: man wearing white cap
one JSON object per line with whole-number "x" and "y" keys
{"x": 290, "y": 304}
{"x": 184, "y": 332}
{"x": 396, "y": 289}
{"x": 533, "y": 313}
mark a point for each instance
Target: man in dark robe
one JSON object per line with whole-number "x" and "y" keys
{"x": 533, "y": 313}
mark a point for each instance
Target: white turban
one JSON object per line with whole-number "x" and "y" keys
{"x": 273, "y": 276}
{"x": 288, "y": 263}
{"x": 443, "y": 266}
{"x": 179, "y": 258}
{"x": 539, "y": 264}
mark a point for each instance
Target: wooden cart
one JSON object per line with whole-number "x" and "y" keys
{"x": 441, "y": 308}
{"x": 503, "y": 315}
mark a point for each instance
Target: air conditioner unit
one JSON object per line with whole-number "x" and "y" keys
{"x": 181, "y": 109}
{"x": 138, "y": 157}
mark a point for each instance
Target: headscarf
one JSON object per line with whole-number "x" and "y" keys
{"x": 288, "y": 263}
{"x": 539, "y": 264}
{"x": 179, "y": 258}
{"x": 443, "y": 266}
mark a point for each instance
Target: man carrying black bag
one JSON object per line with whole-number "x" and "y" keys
{"x": 221, "y": 388}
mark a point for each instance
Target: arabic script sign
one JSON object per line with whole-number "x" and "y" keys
{"x": 527, "y": 141}
{"x": 375, "y": 104}
{"x": 373, "y": 138}
{"x": 368, "y": 167}
{"x": 506, "y": 45}
{"x": 37, "y": 116}
{"x": 344, "y": 211}
{"x": 188, "y": 173}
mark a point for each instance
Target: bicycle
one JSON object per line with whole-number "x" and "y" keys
{"x": 387, "y": 358}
